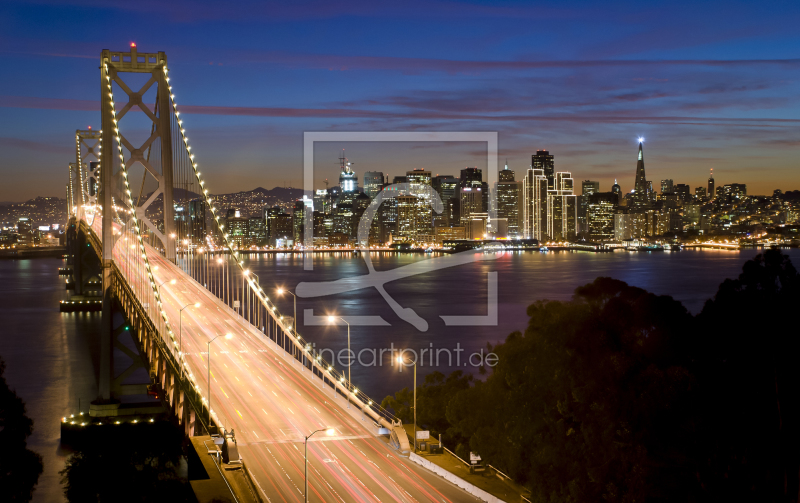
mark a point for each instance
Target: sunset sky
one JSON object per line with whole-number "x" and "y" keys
{"x": 707, "y": 84}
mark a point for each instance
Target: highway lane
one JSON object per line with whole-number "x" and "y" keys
{"x": 271, "y": 402}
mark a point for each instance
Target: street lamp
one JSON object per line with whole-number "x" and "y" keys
{"x": 180, "y": 332}
{"x": 402, "y": 362}
{"x": 170, "y": 281}
{"x": 332, "y": 319}
{"x": 281, "y": 291}
{"x": 227, "y": 336}
{"x": 330, "y": 432}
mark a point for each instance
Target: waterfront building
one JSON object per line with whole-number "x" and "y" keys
{"x": 269, "y": 220}
{"x": 588, "y": 187}
{"x": 283, "y": 231}
{"x": 473, "y": 178}
{"x": 446, "y": 233}
{"x": 629, "y": 225}
{"x": 256, "y": 231}
{"x": 509, "y": 202}
{"x": 471, "y": 202}
{"x": 534, "y": 189}
{"x": 562, "y": 208}
{"x": 600, "y": 216}
{"x": 236, "y": 228}
{"x": 447, "y": 188}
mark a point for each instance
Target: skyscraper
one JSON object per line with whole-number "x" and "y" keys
{"x": 473, "y": 178}
{"x": 544, "y": 161}
{"x": 600, "y": 215}
{"x": 711, "y": 192}
{"x": 534, "y": 207}
{"x": 562, "y": 208}
{"x": 641, "y": 196}
{"x": 373, "y": 180}
{"x": 348, "y": 180}
{"x": 666, "y": 186}
{"x": 509, "y": 202}
{"x": 588, "y": 187}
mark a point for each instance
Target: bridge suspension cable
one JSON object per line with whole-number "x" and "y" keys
{"x": 259, "y": 308}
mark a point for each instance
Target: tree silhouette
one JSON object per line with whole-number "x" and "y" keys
{"x": 19, "y": 466}
{"x": 751, "y": 384}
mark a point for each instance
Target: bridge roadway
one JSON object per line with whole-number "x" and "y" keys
{"x": 272, "y": 402}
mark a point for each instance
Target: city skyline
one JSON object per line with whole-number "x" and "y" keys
{"x": 704, "y": 94}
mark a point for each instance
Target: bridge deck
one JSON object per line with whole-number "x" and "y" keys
{"x": 271, "y": 402}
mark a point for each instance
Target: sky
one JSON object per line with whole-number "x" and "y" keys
{"x": 708, "y": 84}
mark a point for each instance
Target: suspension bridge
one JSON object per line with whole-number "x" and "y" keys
{"x": 206, "y": 335}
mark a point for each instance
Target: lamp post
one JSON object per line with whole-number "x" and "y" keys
{"x": 281, "y": 291}
{"x": 227, "y": 336}
{"x": 402, "y": 362}
{"x": 332, "y": 319}
{"x": 170, "y": 281}
{"x": 329, "y": 431}
{"x": 180, "y": 332}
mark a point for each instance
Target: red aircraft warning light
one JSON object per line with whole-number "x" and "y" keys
{"x": 133, "y": 44}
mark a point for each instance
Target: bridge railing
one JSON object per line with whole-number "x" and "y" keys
{"x": 134, "y": 245}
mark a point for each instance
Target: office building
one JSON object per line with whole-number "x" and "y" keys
{"x": 534, "y": 215}
{"x": 711, "y": 192}
{"x": 562, "y": 208}
{"x": 641, "y": 190}
{"x": 509, "y": 201}
{"x": 588, "y": 187}
{"x": 236, "y": 228}
{"x": 600, "y": 216}
{"x": 544, "y": 161}
{"x": 256, "y": 231}
{"x": 373, "y": 181}
{"x": 684, "y": 192}
{"x": 447, "y": 188}
{"x": 348, "y": 180}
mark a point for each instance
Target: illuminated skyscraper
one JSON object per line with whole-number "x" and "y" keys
{"x": 534, "y": 205}
{"x": 509, "y": 202}
{"x": 641, "y": 194}
{"x": 562, "y": 208}
{"x": 348, "y": 180}
{"x": 373, "y": 180}
{"x": 544, "y": 161}
{"x": 711, "y": 192}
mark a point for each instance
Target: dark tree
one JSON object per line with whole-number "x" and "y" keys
{"x": 432, "y": 398}
{"x": 590, "y": 404}
{"x": 751, "y": 384}
{"x": 127, "y": 463}
{"x": 19, "y": 466}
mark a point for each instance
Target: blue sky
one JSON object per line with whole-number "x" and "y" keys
{"x": 708, "y": 84}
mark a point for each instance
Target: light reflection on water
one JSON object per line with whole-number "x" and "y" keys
{"x": 52, "y": 357}
{"x": 523, "y": 277}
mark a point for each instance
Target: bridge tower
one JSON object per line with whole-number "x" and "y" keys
{"x": 90, "y": 171}
{"x": 159, "y": 167}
